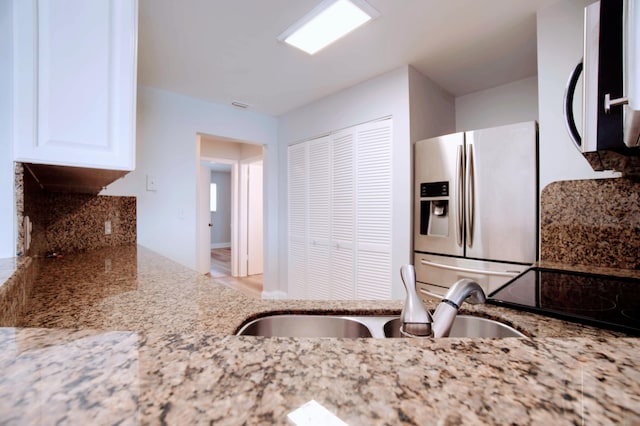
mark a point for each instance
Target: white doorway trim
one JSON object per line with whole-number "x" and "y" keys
{"x": 242, "y": 218}
{"x": 244, "y": 229}
{"x": 203, "y": 235}
{"x": 239, "y": 206}
{"x": 204, "y": 215}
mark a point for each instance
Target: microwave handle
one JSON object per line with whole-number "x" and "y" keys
{"x": 568, "y": 106}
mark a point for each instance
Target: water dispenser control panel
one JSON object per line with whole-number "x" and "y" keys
{"x": 434, "y": 189}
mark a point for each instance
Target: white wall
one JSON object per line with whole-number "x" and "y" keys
{"x": 510, "y": 103}
{"x": 221, "y": 218}
{"x": 560, "y": 35}
{"x": 250, "y": 152}
{"x": 167, "y": 128}
{"x": 386, "y": 95}
{"x": 432, "y": 109}
{"x": 432, "y": 112}
{"x": 228, "y": 150}
{"x": 7, "y": 199}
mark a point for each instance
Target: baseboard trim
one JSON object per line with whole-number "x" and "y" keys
{"x": 274, "y": 295}
{"x": 220, "y": 245}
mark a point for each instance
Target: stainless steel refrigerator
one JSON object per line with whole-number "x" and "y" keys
{"x": 476, "y": 207}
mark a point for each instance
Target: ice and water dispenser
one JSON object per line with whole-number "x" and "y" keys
{"x": 434, "y": 208}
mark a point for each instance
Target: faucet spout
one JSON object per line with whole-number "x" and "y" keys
{"x": 465, "y": 290}
{"x": 445, "y": 313}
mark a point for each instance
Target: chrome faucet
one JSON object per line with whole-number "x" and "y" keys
{"x": 416, "y": 319}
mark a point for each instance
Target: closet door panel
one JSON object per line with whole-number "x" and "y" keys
{"x": 318, "y": 276}
{"x": 374, "y": 275}
{"x": 297, "y": 273}
{"x": 319, "y": 189}
{"x": 343, "y": 215}
{"x": 297, "y": 214}
{"x": 343, "y": 272}
{"x": 343, "y": 188}
{"x": 340, "y": 214}
{"x": 373, "y": 206}
{"x": 318, "y": 213}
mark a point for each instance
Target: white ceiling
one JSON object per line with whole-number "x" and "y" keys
{"x": 226, "y": 50}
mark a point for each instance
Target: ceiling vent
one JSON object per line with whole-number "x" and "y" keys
{"x": 239, "y": 105}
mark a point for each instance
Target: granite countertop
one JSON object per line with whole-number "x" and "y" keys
{"x": 126, "y": 336}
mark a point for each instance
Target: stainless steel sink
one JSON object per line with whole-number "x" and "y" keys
{"x": 305, "y": 326}
{"x": 364, "y": 326}
{"x": 464, "y": 326}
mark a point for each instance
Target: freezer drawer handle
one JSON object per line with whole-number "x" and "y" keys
{"x": 469, "y": 270}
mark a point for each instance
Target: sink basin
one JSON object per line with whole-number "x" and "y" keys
{"x": 364, "y": 326}
{"x": 305, "y": 326}
{"x": 464, "y": 326}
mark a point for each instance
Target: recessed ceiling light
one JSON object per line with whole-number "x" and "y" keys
{"x": 326, "y": 23}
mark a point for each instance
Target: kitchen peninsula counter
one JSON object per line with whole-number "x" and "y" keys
{"x": 127, "y": 336}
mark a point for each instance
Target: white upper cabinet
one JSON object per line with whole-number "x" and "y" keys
{"x": 75, "y": 82}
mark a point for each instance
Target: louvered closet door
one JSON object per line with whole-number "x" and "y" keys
{"x": 297, "y": 214}
{"x": 319, "y": 211}
{"x": 343, "y": 216}
{"x": 373, "y": 210}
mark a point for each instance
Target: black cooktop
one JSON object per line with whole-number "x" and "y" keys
{"x": 599, "y": 300}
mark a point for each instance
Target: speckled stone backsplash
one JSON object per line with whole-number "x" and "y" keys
{"x": 69, "y": 222}
{"x": 18, "y": 172}
{"x": 591, "y": 222}
{"x": 17, "y": 277}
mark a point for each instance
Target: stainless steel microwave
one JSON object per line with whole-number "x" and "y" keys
{"x": 611, "y": 81}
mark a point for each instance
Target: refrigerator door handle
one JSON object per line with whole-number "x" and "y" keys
{"x": 470, "y": 193}
{"x": 460, "y": 195}
{"x": 470, "y": 270}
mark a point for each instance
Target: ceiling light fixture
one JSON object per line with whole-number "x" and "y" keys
{"x": 326, "y": 23}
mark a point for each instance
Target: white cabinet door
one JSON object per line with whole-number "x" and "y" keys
{"x": 75, "y": 82}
